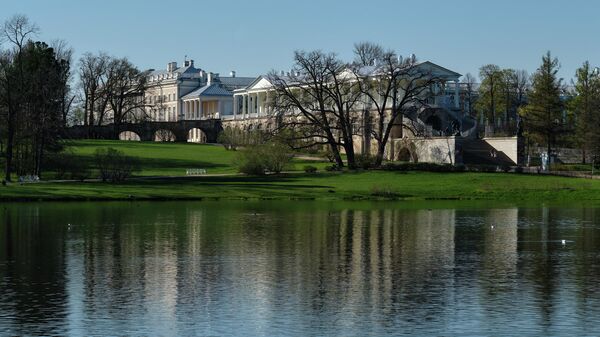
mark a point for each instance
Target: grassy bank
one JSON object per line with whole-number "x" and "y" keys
{"x": 170, "y": 159}
{"x": 323, "y": 186}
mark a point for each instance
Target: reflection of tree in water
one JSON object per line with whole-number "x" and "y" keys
{"x": 32, "y": 278}
{"x": 172, "y": 266}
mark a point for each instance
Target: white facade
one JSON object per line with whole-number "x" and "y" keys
{"x": 170, "y": 93}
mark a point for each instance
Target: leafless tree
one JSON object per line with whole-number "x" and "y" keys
{"x": 469, "y": 81}
{"x": 391, "y": 89}
{"x": 92, "y": 70}
{"x": 316, "y": 102}
{"x": 367, "y": 53}
{"x": 126, "y": 87}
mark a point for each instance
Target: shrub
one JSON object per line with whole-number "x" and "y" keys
{"x": 66, "y": 165}
{"x": 114, "y": 165}
{"x": 365, "y": 161}
{"x": 384, "y": 192}
{"x": 332, "y": 168}
{"x": 259, "y": 159}
{"x": 310, "y": 169}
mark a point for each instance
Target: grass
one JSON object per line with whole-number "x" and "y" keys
{"x": 324, "y": 186}
{"x": 172, "y": 159}
{"x": 164, "y": 165}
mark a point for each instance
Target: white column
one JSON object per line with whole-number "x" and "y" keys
{"x": 456, "y": 94}
{"x": 200, "y": 109}
{"x": 244, "y": 106}
{"x": 235, "y": 106}
{"x": 220, "y": 107}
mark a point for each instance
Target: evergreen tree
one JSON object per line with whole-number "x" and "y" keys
{"x": 584, "y": 106}
{"x": 543, "y": 116}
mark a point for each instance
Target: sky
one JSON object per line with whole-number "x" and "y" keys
{"x": 254, "y": 37}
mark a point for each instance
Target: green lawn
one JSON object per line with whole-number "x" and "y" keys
{"x": 172, "y": 159}
{"x": 324, "y": 186}
{"x": 163, "y": 159}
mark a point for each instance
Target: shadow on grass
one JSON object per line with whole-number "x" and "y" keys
{"x": 290, "y": 181}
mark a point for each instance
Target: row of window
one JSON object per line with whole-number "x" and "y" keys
{"x": 159, "y": 99}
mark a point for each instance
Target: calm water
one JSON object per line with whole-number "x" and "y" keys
{"x": 298, "y": 269}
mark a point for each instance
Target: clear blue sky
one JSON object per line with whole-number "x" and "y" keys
{"x": 253, "y": 37}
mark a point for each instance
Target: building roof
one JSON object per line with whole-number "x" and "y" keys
{"x": 208, "y": 90}
{"x": 237, "y": 82}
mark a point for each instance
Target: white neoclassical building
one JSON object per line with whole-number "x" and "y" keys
{"x": 253, "y": 100}
{"x": 180, "y": 93}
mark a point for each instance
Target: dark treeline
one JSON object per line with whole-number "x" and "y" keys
{"x": 34, "y": 97}
{"x": 37, "y": 98}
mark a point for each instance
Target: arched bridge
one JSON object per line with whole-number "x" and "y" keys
{"x": 147, "y": 131}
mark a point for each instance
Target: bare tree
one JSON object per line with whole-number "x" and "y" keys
{"x": 367, "y": 53}
{"x": 390, "y": 89}
{"x": 125, "y": 91}
{"x": 92, "y": 69}
{"x": 469, "y": 81}
{"x": 316, "y": 103}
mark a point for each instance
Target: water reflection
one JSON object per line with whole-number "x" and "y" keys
{"x": 297, "y": 269}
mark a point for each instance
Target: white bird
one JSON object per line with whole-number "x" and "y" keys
{"x": 564, "y": 242}
{"x": 492, "y": 226}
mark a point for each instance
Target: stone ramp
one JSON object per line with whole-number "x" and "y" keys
{"x": 479, "y": 152}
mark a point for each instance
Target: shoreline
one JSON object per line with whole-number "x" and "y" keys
{"x": 325, "y": 186}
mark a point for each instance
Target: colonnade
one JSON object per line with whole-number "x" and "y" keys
{"x": 193, "y": 109}
{"x": 253, "y": 104}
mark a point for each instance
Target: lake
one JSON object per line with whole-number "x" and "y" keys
{"x": 299, "y": 269}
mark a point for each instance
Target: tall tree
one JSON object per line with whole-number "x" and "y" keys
{"x": 585, "y": 105}
{"x": 124, "y": 90}
{"x": 489, "y": 91}
{"x": 390, "y": 89}
{"x": 543, "y": 116}
{"x": 92, "y": 70}
{"x": 469, "y": 81}
{"x": 316, "y": 101}
{"x": 16, "y": 31}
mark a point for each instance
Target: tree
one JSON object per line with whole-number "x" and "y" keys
{"x": 489, "y": 91}
{"x": 469, "y": 82}
{"x": 15, "y": 31}
{"x": 315, "y": 103}
{"x": 65, "y": 53}
{"x": 92, "y": 71}
{"x": 585, "y": 106}
{"x": 543, "y": 116}
{"x": 390, "y": 89}
{"x": 124, "y": 90}
{"x": 367, "y": 53}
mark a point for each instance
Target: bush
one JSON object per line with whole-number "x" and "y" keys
{"x": 332, "y": 168}
{"x": 365, "y": 161}
{"x": 259, "y": 159}
{"x": 384, "y": 192}
{"x": 114, "y": 165}
{"x": 66, "y": 165}
{"x": 310, "y": 169}
{"x": 427, "y": 167}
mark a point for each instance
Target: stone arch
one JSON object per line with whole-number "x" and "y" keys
{"x": 129, "y": 135}
{"x": 164, "y": 135}
{"x": 407, "y": 153}
{"x": 196, "y": 135}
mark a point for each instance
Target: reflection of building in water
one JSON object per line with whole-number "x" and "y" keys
{"x": 393, "y": 255}
{"x": 500, "y": 243}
